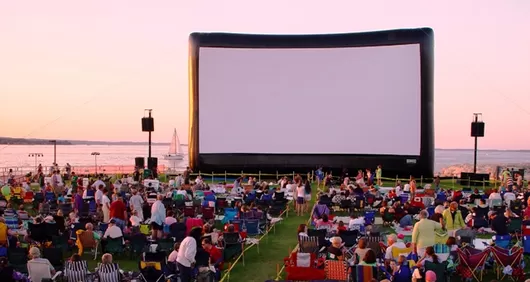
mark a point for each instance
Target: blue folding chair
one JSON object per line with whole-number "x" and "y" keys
{"x": 252, "y": 226}
{"x": 369, "y": 217}
{"x": 502, "y": 241}
{"x": 49, "y": 196}
{"x": 230, "y": 214}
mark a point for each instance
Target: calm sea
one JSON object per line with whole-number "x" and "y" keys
{"x": 80, "y": 155}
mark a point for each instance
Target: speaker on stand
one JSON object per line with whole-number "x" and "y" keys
{"x": 152, "y": 164}
{"x": 139, "y": 162}
{"x": 477, "y": 130}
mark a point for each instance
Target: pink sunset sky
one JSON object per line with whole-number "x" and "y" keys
{"x": 86, "y": 70}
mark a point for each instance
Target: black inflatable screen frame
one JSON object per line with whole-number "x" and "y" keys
{"x": 422, "y": 165}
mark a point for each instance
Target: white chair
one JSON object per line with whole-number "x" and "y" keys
{"x": 39, "y": 269}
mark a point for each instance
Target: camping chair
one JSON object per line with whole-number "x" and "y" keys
{"x": 28, "y": 197}
{"x": 504, "y": 258}
{"x": 397, "y": 252}
{"x": 502, "y": 241}
{"x": 138, "y": 244}
{"x": 301, "y": 266}
{"x": 373, "y": 243}
{"x": 52, "y": 230}
{"x": 308, "y": 244}
{"x": 85, "y": 240}
{"x": 369, "y": 217}
{"x": 442, "y": 251}
{"x": 74, "y": 228}
{"x": 275, "y": 210}
{"x": 189, "y": 211}
{"x": 232, "y": 246}
{"x": 165, "y": 245}
{"x": 439, "y": 268}
{"x": 208, "y": 213}
{"x": 346, "y": 205}
{"x": 55, "y": 256}
{"x": 465, "y": 236}
{"x": 338, "y": 270}
{"x": 350, "y": 239}
{"x": 39, "y": 270}
{"x": 114, "y": 245}
{"x": 153, "y": 267}
{"x": 366, "y": 273}
{"x": 320, "y": 234}
{"x": 108, "y": 272}
{"x": 472, "y": 262}
{"x": 252, "y": 226}
{"x": 18, "y": 259}
{"x": 230, "y": 214}
{"x": 516, "y": 226}
{"x": 76, "y": 271}
{"x": 144, "y": 229}
{"x": 49, "y": 196}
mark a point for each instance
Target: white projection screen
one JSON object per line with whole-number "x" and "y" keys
{"x": 310, "y": 101}
{"x": 293, "y": 102}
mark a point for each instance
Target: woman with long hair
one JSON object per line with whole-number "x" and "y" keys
{"x": 186, "y": 254}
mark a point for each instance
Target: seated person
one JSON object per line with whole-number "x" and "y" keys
{"x": 475, "y": 196}
{"x": 324, "y": 223}
{"x": 108, "y": 271}
{"x": 406, "y": 221}
{"x": 134, "y": 219}
{"x": 170, "y": 218}
{"x": 334, "y": 252}
{"x": 39, "y": 268}
{"x": 355, "y": 222}
{"x": 369, "y": 258}
{"x": 90, "y": 228}
{"x": 216, "y": 255}
{"x": 499, "y": 223}
{"x": 341, "y": 227}
{"x": 113, "y": 231}
{"x": 173, "y": 255}
{"x": 76, "y": 269}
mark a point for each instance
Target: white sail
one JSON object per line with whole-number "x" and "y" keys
{"x": 175, "y": 150}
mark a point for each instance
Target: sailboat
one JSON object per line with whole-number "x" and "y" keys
{"x": 175, "y": 151}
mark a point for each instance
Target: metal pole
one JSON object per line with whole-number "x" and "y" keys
{"x": 149, "y": 154}
{"x": 55, "y": 151}
{"x": 476, "y": 149}
{"x": 96, "y": 163}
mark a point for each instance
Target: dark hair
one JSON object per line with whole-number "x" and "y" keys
{"x": 169, "y": 213}
{"x": 430, "y": 251}
{"x": 451, "y": 241}
{"x": 369, "y": 257}
{"x": 196, "y": 233}
{"x": 207, "y": 241}
{"x": 75, "y": 257}
{"x": 325, "y": 218}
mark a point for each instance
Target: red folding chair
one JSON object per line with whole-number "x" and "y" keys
{"x": 189, "y": 211}
{"x": 298, "y": 272}
{"x": 28, "y": 197}
{"x": 472, "y": 262}
{"x": 208, "y": 213}
{"x": 504, "y": 257}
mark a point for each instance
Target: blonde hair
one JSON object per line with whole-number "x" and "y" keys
{"x": 106, "y": 258}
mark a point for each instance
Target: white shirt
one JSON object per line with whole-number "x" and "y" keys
{"x": 136, "y": 202}
{"x": 495, "y": 196}
{"x": 187, "y": 251}
{"x": 509, "y": 197}
{"x": 113, "y": 232}
{"x": 398, "y": 191}
{"x": 388, "y": 254}
{"x": 300, "y": 192}
{"x": 135, "y": 221}
{"x": 105, "y": 201}
{"x": 406, "y": 188}
{"x": 356, "y": 221}
{"x": 99, "y": 182}
{"x": 170, "y": 220}
{"x": 99, "y": 196}
{"x": 290, "y": 187}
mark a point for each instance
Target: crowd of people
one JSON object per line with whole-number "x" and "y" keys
{"x": 431, "y": 223}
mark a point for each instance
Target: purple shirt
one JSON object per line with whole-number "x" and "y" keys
{"x": 78, "y": 202}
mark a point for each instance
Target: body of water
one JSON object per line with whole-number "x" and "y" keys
{"x": 447, "y": 162}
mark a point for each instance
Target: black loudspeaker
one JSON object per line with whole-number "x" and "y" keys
{"x": 152, "y": 164}
{"x": 477, "y": 129}
{"x": 474, "y": 179}
{"x": 148, "y": 124}
{"x": 139, "y": 162}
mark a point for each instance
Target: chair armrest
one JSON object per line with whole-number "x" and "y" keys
{"x": 57, "y": 274}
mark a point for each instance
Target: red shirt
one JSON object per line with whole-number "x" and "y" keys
{"x": 215, "y": 256}
{"x": 117, "y": 210}
{"x": 526, "y": 215}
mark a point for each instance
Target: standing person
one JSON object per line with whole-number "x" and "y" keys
{"x": 307, "y": 187}
{"x": 300, "y": 199}
{"x": 136, "y": 202}
{"x": 118, "y": 212}
{"x": 412, "y": 184}
{"x": 452, "y": 217}
{"x": 186, "y": 254}
{"x": 158, "y": 216}
{"x": 379, "y": 174}
{"x": 424, "y": 233}
{"x": 186, "y": 175}
{"x": 105, "y": 205}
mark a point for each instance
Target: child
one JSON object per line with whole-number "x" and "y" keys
{"x": 341, "y": 227}
{"x": 135, "y": 220}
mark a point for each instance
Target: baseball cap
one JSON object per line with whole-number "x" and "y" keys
{"x": 401, "y": 236}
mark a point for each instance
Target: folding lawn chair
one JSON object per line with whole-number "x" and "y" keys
{"x": 55, "y": 256}
{"x": 320, "y": 234}
{"x": 350, "y": 239}
{"x": 308, "y": 244}
{"x": 439, "y": 268}
{"x": 442, "y": 251}
{"x": 504, "y": 257}
{"x": 338, "y": 270}
{"x": 472, "y": 262}
{"x": 502, "y": 241}
{"x": 302, "y": 267}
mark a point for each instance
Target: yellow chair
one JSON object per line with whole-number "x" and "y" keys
{"x": 397, "y": 252}
{"x": 144, "y": 229}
